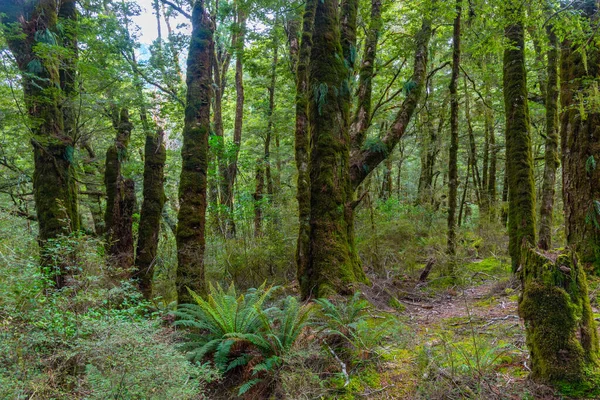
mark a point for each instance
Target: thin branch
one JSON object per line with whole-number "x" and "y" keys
{"x": 176, "y": 8}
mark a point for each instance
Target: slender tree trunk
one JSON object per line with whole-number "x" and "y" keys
{"x": 232, "y": 167}
{"x": 464, "y": 194}
{"x": 521, "y": 188}
{"x": 258, "y": 197}
{"x": 194, "y": 153}
{"x": 120, "y": 195}
{"x": 387, "y": 181}
{"x": 453, "y": 155}
{"x": 302, "y": 139}
{"x": 155, "y": 155}
{"x": 473, "y": 151}
{"x": 491, "y": 180}
{"x": 271, "y": 90}
{"x": 362, "y": 117}
{"x": 551, "y": 154}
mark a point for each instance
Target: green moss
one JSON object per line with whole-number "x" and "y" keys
{"x": 561, "y": 332}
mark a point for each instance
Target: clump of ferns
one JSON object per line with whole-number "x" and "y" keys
{"x": 238, "y": 332}
{"x": 351, "y": 328}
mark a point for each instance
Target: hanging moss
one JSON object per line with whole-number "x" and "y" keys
{"x": 194, "y": 154}
{"x": 560, "y": 330}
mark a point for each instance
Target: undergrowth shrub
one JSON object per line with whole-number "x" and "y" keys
{"x": 240, "y": 332}
{"x": 351, "y": 328}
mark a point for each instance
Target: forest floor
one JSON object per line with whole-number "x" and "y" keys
{"x": 462, "y": 341}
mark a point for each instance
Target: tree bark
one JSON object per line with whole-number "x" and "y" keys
{"x": 302, "y": 139}
{"x": 560, "y": 330}
{"x": 194, "y": 153}
{"x": 120, "y": 195}
{"x": 580, "y": 137}
{"x": 333, "y": 265}
{"x": 453, "y": 154}
{"x": 362, "y": 117}
{"x": 258, "y": 197}
{"x": 551, "y": 153}
{"x": 54, "y": 184}
{"x": 521, "y": 188}
{"x": 155, "y": 155}
{"x": 227, "y": 195}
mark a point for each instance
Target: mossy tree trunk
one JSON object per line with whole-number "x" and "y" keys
{"x": 155, "y": 155}
{"x": 560, "y": 330}
{"x": 230, "y": 172}
{"x": 55, "y": 192}
{"x": 430, "y": 151}
{"x": 580, "y": 136}
{"x": 552, "y": 142}
{"x": 302, "y": 139}
{"x": 519, "y": 165}
{"x": 362, "y": 116}
{"x": 270, "y": 116}
{"x": 120, "y": 195}
{"x": 221, "y": 58}
{"x": 490, "y": 188}
{"x": 333, "y": 265}
{"x": 453, "y": 152}
{"x": 194, "y": 153}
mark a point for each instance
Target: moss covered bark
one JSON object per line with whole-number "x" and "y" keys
{"x": 580, "y": 140}
{"x": 561, "y": 332}
{"x": 333, "y": 265}
{"x": 453, "y": 152}
{"x": 194, "y": 153}
{"x": 521, "y": 189}
{"x": 551, "y": 145}
{"x": 119, "y": 204}
{"x": 230, "y": 172}
{"x": 155, "y": 155}
{"x": 302, "y": 139}
{"x": 27, "y": 24}
{"x": 362, "y": 116}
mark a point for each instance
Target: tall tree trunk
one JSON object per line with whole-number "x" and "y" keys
{"x": 453, "y": 155}
{"x": 493, "y": 160}
{"x": 54, "y": 185}
{"x": 473, "y": 151}
{"x": 120, "y": 195}
{"x": 302, "y": 139}
{"x": 270, "y": 113}
{"x": 221, "y": 59}
{"x": 580, "y": 136}
{"x": 333, "y": 265}
{"x": 227, "y": 195}
{"x": 194, "y": 153}
{"x": 551, "y": 154}
{"x": 521, "y": 188}
{"x": 155, "y": 155}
